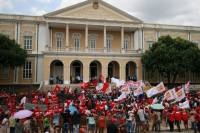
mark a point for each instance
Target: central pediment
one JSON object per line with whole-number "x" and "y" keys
{"x": 93, "y": 9}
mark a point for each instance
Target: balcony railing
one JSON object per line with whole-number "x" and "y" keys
{"x": 90, "y": 50}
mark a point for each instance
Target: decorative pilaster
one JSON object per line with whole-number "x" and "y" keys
{"x": 86, "y": 38}
{"x": 122, "y": 37}
{"x": 67, "y": 37}
{"x": 47, "y": 34}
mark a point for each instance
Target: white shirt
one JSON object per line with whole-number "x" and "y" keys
{"x": 106, "y": 107}
{"x": 6, "y": 125}
{"x": 49, "y": 94}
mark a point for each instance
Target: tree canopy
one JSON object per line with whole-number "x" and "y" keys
{"x": 11, "y": 54}
{"x": 173, "y": 57}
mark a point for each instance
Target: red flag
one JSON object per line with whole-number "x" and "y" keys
{"x": 94, "y": 82}
{"x": 88, "y": 85}
{"x": 178, "y": 88}
{"x": 105, "y": 86}
{"x": 66, "y": 89}
{"x": 57, "y": 88}
{"x": 83, "y": 85}
{"x": 102, "y": 79}
{"x": 80, "y": 98}
{"x": 46, "y": 100}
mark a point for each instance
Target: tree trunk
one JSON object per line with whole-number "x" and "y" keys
{"x": 174, "y": 79}
{"x": 169, "y": 83}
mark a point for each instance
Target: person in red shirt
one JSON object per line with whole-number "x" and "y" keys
{"x": 171, "y": 118}
{"x": 185, "y": 119}
{"x": 165, "y": 111}
{"x": 102, "y": 120}
{"x": 178, "y": 119}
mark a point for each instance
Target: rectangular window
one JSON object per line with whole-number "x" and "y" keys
{"x": 150, "y": 75}
{"x": 27, "y": 70}
{"x": 5, "y": 73}
{"x": 149, "y": 44}
{"x": 93, "y": 45}
{"x": 197, "y": 76}
{"x": 165, "y": 75}
{"x": 108, "y": 44}
{"x": 59, "y": 42}
{"x": 125, "y": 45}
{"x": 28, "y": 43}
{"x": 183, "y": 76}
{"x": 76, "y": 44}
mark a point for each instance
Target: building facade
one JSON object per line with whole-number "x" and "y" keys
{"x": 87, "y": 39}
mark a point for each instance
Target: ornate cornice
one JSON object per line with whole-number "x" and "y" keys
{"x": 59, "y": 35}
{"x": 126, "y": 38}
{"x": 150, "y": 38}
{"x": 93, "y": 36}
{"x": 6, "y": 32}
{"x": 109, "y": 37}
{"x": 27, "y": 33}
{"x": 76, "y": 36}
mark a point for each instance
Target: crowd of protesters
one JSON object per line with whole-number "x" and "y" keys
{"x": 98, "y": 112}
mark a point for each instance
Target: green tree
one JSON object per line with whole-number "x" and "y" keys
{"x": 173, "y": 57}
{"x": 11, "y": 54}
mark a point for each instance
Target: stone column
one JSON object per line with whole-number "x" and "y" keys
{"x": 139, "y": 40}
{"x": 67, "y": 37}
{"x": 104, "y": 40}
{"x": 86, "y": 38}
{"x": 47, "y": 34}
{"x": 122, "y": 37}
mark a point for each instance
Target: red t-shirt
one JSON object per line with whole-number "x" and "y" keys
{"x": 102, "y": 121}
{"x": 165, "y": 112}
{"x": 178, "y": 116}
{"x": 184, "y": 116}
{"x": 171, "y": 117}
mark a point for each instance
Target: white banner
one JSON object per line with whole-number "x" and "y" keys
{"x": 23, "y": 100}
{"x": 160, "y": 87}
{"x": 155, "y": 100}
{"x": 126, "y": 90}
{"x": 121, "y": 83}
{"x": 180, "y": 95}
{"x": 108, "y": 90}
{"x": 138, "y": 91}
{"x": 122, "y": 96}
{"x": 114, "y": 80}
{"x": 184, "y": 105}
{"x": 152, "y": 92}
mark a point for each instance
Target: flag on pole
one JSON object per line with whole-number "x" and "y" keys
{"x": 83, "y": 85}
{"x": 152, "y": 92}
{"x": 187, "y": 87}
{"x": 57, "y": 88}
{"x": 114, "y": 80}
{"x": 180, "y": 95}
{"x": 94, "y": 83}
{"x": 138, "y": 91}
{"x": 102, "y": 79}
{"x": 122, "y": 96}
{"x": 105, "y": 86}
{"x": 155, "y": 100}
{"x": 160, "y": 87}
{"x": 46, "y": 100}
{"x": 99, "y": 87}
{"x": 121, "y": 83}
{"x": 88, "y": 85}
{"x": 126, "y": 90}
{"x": 70, "y": 90}
{"x": 108, "y": 90}
{"x": 23, "y": 100}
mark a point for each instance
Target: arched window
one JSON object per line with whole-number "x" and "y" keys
{"x": 93, "y": 38}
{"x": 109, "y": 39}
{"x": 59, "y": 37}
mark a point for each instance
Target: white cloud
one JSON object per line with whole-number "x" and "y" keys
{"x": 18, "y": 12}
{"x": 5, "y": 4}
{"x": 34, "y": 9}
{"x": 42, "y": 1}
{"x": 40, "y": 12}
{"x": 65, "y": 3}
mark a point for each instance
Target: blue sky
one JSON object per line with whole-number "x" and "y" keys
{"x": 175, "y": 12}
